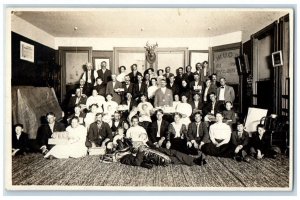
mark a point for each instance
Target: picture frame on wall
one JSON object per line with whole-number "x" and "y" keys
{"x": 98, "y": 60}
{"x": 26, "y": 52}
{"x": 277, "y": 59}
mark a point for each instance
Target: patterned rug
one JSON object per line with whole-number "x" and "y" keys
{"x": 33, "y": 169}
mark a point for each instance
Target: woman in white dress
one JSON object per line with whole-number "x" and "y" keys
{"x": 185, "y": 109}
{"x": 121, "y": 76}
{"x": 160, "y": 76}
{"x": 75, "y": 147}
{"x": 146, "y": 110}
{"x": 152, "y": 89}
{"x": 91, "y": 116}
{"x": 110, "y": 106}
{"x": 95, "y": 99}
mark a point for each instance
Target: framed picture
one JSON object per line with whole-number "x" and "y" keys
{"x": 26, "y": 51}
{"x": 277, "y": 59}
{"x": 98, "y": 60}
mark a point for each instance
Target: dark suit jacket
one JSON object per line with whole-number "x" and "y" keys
{"x": 171, "y": 132}
{"x": 114, "y": 128}
{"x": 132, "y": 103}
{"x": 264, "y": 144}
{"x": 197, "y": 107}
{"x": 133, "y": 78}
{"x": 208, "y": 107}
{"x": 106, "y": 77}
{"x": 162, "y": 99}
{"x": 192, "y": 84}
{"x": 101, "y": 89}
{"x": 110, "y": 90}
{"x": 84, "y": 89}
{"x": 22, "y": 143}
{"x": 167, "y": 76}
{"x": 175, "y": 88}
{"x": 229, "y": 93}
{"x": 44, "y": 132}
{"x": 203, "y": 132}
{"x": 178, "y": 79}
{"x": 236, "y": 140}
{"x": 143, "y": 90}
{"x": 129, "y": 89}
{"x": 99, "y": 135}
{"x": 72, "y": 102}
{"x": 189, "y": 77}
{"x": 152, "y": 131}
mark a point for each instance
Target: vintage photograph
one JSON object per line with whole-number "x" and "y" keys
{"x": 155, "y": 99}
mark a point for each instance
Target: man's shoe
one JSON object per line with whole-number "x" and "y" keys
{"x": 246, "y": 159}
{"x": 147, "y": 165}
{"x": 237, "y": 158}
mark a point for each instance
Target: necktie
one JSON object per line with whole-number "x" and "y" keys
{"x": 222, "y": 87}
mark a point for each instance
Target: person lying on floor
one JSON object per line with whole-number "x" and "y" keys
{"x": 261, "y": 144}
{"x": 147, "y": 157}
{"x": 45, "y": 132}
{"x": 75, "y": 146}
{"x": 219, "y": 134}
{"x": 99, "y": 133}
{"x": 20, "y": 141}
{"x": 240, "y": 143}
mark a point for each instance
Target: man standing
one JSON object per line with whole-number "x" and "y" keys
{"x": 196, "y": 85}
{"x": 100, "y": 87}
{"x": 89, "y": 77}
{"x": 168, "y": 74}
{"x": 77, "y": 99}
{"x": 104, "y": 73}
{"x": 163, "y": 96}
{"x": 134, "y": 73}
{"x": 197, "y": 135}
{"x": 46, "y": 130}
{"x": 209, "y": 88}
{"x": 224, "y": 92}
{"x": 172, "y": 85}
{"x": 157, "y": 131}
{"x": 139, "y": 88}
{"x": 99, "y": 133}
{"x": 179, "y": 76}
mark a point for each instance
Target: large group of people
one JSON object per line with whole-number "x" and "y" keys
{"x": 178, "y": 117}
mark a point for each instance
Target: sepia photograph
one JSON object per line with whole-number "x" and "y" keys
{"x": 149, "y": 99}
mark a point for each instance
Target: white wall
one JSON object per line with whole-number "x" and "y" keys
{"x": 26, "y": 29}
{"x": 201, "y": 43}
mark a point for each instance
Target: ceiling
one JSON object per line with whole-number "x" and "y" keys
{"x": 149, "y": 22}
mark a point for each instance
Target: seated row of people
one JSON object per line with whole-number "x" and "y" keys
{"x": 217, "y": 140}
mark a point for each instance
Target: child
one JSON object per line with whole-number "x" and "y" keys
{"x": 240, "y": 142}
{"x": 261, "y": 144}
{"x": 20, "y": 141}
{"x": 229, "y": 114}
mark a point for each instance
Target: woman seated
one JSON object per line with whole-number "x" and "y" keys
{"x": 185, "y": 109}
{"x": 75, "y": 146}
{"x": 177, "y": 135}
{"x": 110, "y": 106}
{"x": 219, "y": 134}
{"x": 145, "y": 111}
{"x": 160, "y": 76}
{"x": 95, "y": 99}
{"x": 78, "y": 113}
{"x": 90, "y": 116}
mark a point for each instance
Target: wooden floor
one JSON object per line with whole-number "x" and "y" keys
{"x": 33, "y": 169}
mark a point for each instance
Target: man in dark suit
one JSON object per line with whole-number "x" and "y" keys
{"x": 134, "y": 73}
{"x": 127, "y": 86}
{"x": 20, "y": 141}
{"x": 45, "y": 132}
{"x": 224, "y": 92}
{"x": 168, "y": 74}
{"x": 196, "y": 103}
{"x": 157, "y": 130}
{"x": 163, "y": 95}
{"x": 89, "y": 77}
{"x": 99, "y": 134}
{"x": 214, "y": 80}
{"x": 114, "y": 87}
{"x": 100, "y": 87}
{"x": 240, "y": 143}
{"x": 189, "y": 76}
{"x": 179, "y": 77}
{"x": 209, "y": 88}
{"x": 139, "y": 88}
{"x": 212, "y": 107}
{"x": 104, "y": 73}
{"x": 197, "y": 135}
{"x": 117, "y": 122}
{"x": 196, "y": 86}
{"x": 77, "y": 99}
{"x": 172, "y": 85}
{"x": 82, "y": 86}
